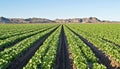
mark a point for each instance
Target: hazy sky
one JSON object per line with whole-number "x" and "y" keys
{"x": 102, "y": 9}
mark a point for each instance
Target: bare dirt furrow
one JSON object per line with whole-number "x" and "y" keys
{"x": 111, "y": 42}
{"x": 23, "y": 59}
{"x": 103, "y": 58}
{"x": 63, "y": 60}
{"x": 17, "y": 41}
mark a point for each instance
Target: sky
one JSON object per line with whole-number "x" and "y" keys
{"x": 52, "y": 9}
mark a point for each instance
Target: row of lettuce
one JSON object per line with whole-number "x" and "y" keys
{"x": 9, "y": 54}
{"x": 44, "y": 58}
{"x": 9, "y": 30}
{"x": 83, "y": 57}
{"x": 13, "y": 38}
{"x": 95, "y": 34}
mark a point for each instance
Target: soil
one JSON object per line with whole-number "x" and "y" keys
{"x": 63, "y": 57}
{"x": 111, "y": 42}
{"x": 1, "y": 49}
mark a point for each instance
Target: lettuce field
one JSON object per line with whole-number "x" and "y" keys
{"x": 60, "y": 46}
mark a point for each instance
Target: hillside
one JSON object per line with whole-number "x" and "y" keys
{"x": 43, "y": 20}
{"x": 22, "y": 20}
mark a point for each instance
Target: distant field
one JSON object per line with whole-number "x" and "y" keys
{"x": 60, "y": 46}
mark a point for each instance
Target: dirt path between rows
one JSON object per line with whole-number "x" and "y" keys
{"x": 111, "y": 42}
{"x": 63, "y": 60}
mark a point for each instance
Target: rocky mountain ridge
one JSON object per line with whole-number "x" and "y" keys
{"x": 43, "y": 20}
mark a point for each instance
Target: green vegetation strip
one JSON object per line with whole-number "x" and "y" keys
{"x": 45, "y": 56}
{"x": 90, "y": 34}
{"x": 83, "y": 56}
{"x": 8, "y": 55}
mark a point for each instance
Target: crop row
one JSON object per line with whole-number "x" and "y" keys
{"x": 9, "y": 54}
{"x": 17, "y": 38}
{"x": 45, "y": 56}
{"x": 20, "y": 39}
{"x": 12, "y": 30}
{"x": 83, "y": 56}
{"x": 108, "y": 48}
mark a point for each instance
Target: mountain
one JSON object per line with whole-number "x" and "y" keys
{"x": 79, "y": 20}
{"x": 43, "y": 20}
{"x": 4, "y": 20}
{"x": 22, "y": 20}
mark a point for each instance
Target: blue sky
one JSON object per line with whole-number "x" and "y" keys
{"x": 52, "y": 9}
